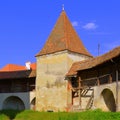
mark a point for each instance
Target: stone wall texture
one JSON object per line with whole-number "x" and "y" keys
{"x": 51, "y": 86}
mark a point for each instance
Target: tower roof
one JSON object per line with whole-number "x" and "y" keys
{"x": 63, "y": 37}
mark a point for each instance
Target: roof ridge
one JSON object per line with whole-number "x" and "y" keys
{"x": 63, "y": 12}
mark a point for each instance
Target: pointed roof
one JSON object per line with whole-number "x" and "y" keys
{"x": 63, "y": 37}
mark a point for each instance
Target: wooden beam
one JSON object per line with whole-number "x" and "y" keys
{"x": 79, "y": 91}
{"x": 110, "y": 78}
{"x": 98, "y": 82}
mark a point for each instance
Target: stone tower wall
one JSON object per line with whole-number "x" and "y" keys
{"x": 51, "y": 88}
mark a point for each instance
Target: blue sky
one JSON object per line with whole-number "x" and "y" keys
{"x": 26, "y": 24}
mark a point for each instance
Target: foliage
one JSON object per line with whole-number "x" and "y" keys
{"x": 10, "y": 113}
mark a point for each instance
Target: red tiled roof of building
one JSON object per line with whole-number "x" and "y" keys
{"x": 63, "y": 37}
{"x": 93, "y": 62}
{"x": 12, "y": 71}
{"x": 33, "y": 66}
{"x": 14, "y": 67}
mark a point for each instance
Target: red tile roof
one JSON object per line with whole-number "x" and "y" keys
{"x": 63, "y": 37}
{"x": 12, "y": 71}
{"x": 33, "y": 66}
{"x": 14, "y": 67}
{"x": 93, "y": 62}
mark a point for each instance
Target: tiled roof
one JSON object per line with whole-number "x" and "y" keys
{"x": 63, "y": 37}
{"x": 12, "y": 71}
{"x": 93, "y": 62}
{"x": 14, "y": 67}
{"x": 33, "y": 66}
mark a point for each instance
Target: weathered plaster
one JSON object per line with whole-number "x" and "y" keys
{"x": 51, "y": 88}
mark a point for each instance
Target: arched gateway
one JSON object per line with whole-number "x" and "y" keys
{"x": 32, "y": 105}
{"x": 14, "y": 103}
{"x": 109, "y": 99}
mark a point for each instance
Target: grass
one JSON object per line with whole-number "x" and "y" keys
{"x": 87, "y": 115}
{"x": 35, "y": 115}
{"x": 3, "y": 117}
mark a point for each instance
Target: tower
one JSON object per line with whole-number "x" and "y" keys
{"x": 62, "y": 48}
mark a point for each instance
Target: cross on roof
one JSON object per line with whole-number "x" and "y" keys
{"x": 63, "y": 7}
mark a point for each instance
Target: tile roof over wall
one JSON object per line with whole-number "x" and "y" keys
{"x": 14, "y": 67}
{"x": 12, "y": 71}
{"x": 63, "y": 37}
{"x": 93, "y": 62}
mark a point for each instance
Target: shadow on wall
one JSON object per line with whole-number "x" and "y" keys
{"x": 109, "y": 99}
{"x": 14, "y": 103}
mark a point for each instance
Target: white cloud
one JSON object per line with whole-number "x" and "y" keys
{"x": 104, "y": 47}
{"x": 108, "y": 45}
{"x": 75, "y": 23}
{"x": 90, "y": 26}
{"x": 100, "y": 33}
{"x": 111, "y": 45}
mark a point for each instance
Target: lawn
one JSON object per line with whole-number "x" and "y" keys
{"x": 3, "y": 117}
{"x": 35, "y": 115}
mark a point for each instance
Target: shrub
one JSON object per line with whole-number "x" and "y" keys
{"x": 10, "y": 113}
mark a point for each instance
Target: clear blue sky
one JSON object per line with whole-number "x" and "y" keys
{"x": 26, "y": 24}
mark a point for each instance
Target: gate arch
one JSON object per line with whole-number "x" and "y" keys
{"x": 13, "y": 102}
{"x": 109, "y": 99}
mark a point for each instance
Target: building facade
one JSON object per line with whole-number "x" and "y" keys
{"x": 95, "y": 83}
{"x": 65, "y": 76}
{"x": 17, "y": 87}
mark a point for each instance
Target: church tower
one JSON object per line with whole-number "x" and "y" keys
{"x": 62, "y": 48}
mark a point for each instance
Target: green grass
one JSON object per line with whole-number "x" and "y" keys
{"x": 3, "y": 117}
{"x": 35, "y": 115}
{"x": 87, "y": 115}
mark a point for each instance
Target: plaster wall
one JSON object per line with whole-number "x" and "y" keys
{"x": 99, "y": 101}
{"x": 25, "y": 97}
{"x": 51, "y": 88}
